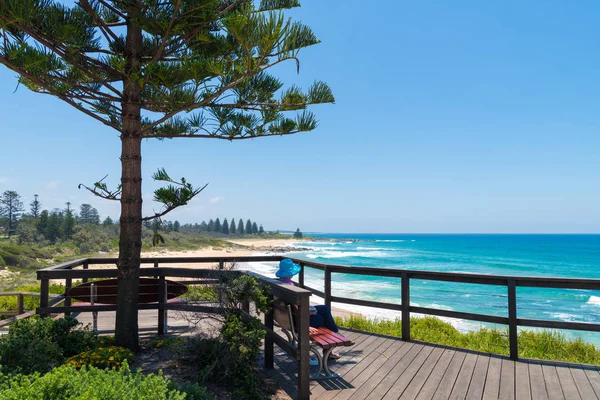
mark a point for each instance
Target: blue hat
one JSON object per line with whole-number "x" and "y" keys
{"x": 287, "y": 268}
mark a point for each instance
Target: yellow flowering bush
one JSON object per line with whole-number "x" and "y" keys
{"x": 102, "y": 357}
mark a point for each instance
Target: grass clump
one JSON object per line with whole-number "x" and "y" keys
{"x": 544, "y": 345}
{"x": 68, "y": 382}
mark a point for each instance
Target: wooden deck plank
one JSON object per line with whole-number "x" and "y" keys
{"x": 536, "y": 379}
{"x": 553, "y": 387}
{"x": 413, "y": 389}
{"x": 390, "y": 363}
{"x": 432, "y": 383}
{"x": 583, "y": 384}
{"x": 492, "y": 380}
{"x": 507, "y": 380}
{"x": 351, "y": 370}
{"x": 449, "y": 379}
{"x": 459, "y": 391}
{"x": 594, "y": 378}
{"x": 383, "y": 367}
{"x": 477, "y": 384}
{"x": 390, "y": 374}
{"x": 349, "y": 359}
{"x": 286, "y": 367}
{"x": 575, "y": 384}
{"x": 522, "y": 382}
{"x": 358, "y": 376}
{"x": 398, "y": 387}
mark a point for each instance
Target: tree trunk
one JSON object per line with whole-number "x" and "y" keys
{"x": 130, "y": 241}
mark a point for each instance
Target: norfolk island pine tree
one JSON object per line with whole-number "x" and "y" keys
{"x": 169, "y": 69}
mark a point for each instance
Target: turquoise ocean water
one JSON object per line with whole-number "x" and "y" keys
{"x": 574, "y": 256}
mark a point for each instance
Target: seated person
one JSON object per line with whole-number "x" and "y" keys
{"x": 320, "y": 315}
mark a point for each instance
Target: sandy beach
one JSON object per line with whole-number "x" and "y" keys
{"x": 237, "y": 247}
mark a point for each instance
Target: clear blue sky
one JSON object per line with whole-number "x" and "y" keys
{"x": 469, "y": 116}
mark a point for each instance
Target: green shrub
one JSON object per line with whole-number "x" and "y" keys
{"x": 40, "y": 344}
{"x": 67, "y": 382}
{"x": 230, "y": 360}
{"x": 220, "y": 363}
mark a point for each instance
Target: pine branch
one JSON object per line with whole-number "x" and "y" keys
{"x": 172, "y": 196}
{"x": 106, "y": 31}
{"x": 61, "y": 96}
{"x": 113, "y": 9}
{"x": 210, "y": 100}
{"x": 163, "y": 43}
{"x": 101, "y": 190}
{"x": 63, "y": 54}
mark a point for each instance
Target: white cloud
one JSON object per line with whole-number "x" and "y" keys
{"x": 51, "y": 185}
{"x": 3, "y": 179}
{"x": 215, "y": 200}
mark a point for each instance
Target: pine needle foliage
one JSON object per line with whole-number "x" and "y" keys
{"x": 203, "y": 67}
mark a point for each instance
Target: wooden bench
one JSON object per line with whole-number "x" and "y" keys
{"x": 320, "y": 338}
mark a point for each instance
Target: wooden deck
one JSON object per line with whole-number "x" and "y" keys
{"x": 382, "y": 367}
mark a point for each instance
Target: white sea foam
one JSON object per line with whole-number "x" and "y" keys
{"x": 341, "y": 254}
{"x": 374, "y": 248}
{"x": 594, "y": 300}
{"x": 564, "y": 316}
{"x": 391, "y": 241}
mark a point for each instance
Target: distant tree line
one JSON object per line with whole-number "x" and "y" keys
{"x": 226, "y": 227}
{"x": 39, "y": 225}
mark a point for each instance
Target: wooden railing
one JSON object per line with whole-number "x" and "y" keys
{"x": 510, "y": 282}
{"x": 19, "y": 313}
{"x": 300, "y": 296}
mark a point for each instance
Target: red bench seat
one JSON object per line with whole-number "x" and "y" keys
{"x": 327, "y": 339}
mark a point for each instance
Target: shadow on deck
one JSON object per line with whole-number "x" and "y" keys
{"x": 383, "y": 367}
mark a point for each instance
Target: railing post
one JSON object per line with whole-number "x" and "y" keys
{"x": 162, "y": 300}
{"x": 327, "y": 287}
{"x": 405, "y": 306}
{"x": 221, "y": 265}
{"x": 20, "y": 306}
{"x": 512, "y": 320}
{"x": 44, "y": 292}
{"x": 268, "y": 340}
{"x": 85, "y": 266}
{"x": 93, "y": 295}
{"x": 68, "y": 284}
{"x": 304, "y": 349}
{"x": 301, "y": 276}
{"x": 155, "y": 266}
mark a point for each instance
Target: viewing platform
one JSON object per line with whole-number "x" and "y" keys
{"x": 375, "y": 366}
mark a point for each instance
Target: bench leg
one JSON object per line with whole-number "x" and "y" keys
{"x": 328, "y": 372}
{"x": 317, "y": 354}
{"x": 324, "y": 371}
